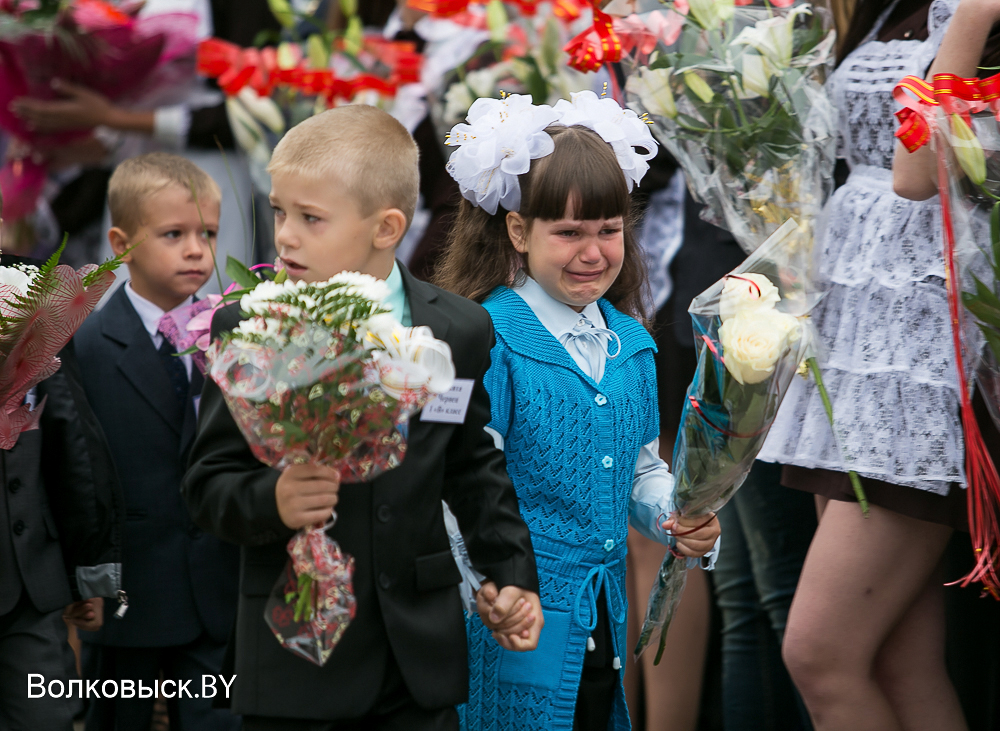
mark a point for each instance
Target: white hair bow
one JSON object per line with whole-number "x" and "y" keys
{"x": 499, "y": 142}
{"x": 503, "y": 136}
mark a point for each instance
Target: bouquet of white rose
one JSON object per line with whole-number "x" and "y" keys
{"x": 752, "y": 335}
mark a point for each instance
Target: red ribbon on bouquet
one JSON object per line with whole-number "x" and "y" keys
{"x": 595, "y": 46}
{"x": 956, "y": 95}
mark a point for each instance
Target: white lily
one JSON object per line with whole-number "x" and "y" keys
{"x": 772, "y": 38}
{"x": 710, "y": 14}
{"x": 264, "y": 109}
{"x": 756, "y": 74}
{"x": 652, "y": 86}
{"x": 246, "y": 129}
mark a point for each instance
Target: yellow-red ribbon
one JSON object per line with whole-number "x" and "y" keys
{"x": 954, "y": 94}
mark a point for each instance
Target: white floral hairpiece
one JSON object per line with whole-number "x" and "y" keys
{"x": 621, "y": 128}
{"x": 499, "y": 142}
{"x": 503, "y": 136}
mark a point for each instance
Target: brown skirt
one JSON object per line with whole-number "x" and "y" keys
{"x": 947, "y": 509}
{"x": 950, "y": 509}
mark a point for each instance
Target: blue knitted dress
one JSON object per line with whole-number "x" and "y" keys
{"x": 571, "y": 447}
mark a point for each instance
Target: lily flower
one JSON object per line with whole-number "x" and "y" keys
{"x": 699, "y": 86}
{"x": 710, "y": 14}
{"x": 652, "y": 86}
{"x": 968, "y": 150}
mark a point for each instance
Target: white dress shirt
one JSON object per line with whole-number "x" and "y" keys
{"x": 150, "y": 315}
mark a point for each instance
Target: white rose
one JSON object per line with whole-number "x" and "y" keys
{"x": 753, "y": 342}
{"x": 748, "y": 292}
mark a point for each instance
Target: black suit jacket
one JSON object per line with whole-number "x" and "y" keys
{"x": 61, "y": 508}
{"x": 405, "y": 577}
{"x": 180, "y": 580}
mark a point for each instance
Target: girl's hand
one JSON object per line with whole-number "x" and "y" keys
{"x": 696, "y": 535}
{"x": 513, "y": 614}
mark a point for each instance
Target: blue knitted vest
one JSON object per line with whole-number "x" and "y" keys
{"x": 571, "y": 447}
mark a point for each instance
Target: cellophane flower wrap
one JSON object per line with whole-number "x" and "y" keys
{"x": 960, "y": 119}
{"x": 321, "y": 374}
{"x": 752, "y": 335}
{"x": 106, "y": 46}
{"x": 40, "y": 309}
{"x": 736, "y": 95}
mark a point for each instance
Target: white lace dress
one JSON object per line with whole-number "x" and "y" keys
{"x": 887, "y": 354}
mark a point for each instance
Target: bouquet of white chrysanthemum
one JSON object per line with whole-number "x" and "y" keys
{"x": 322, "y": 374}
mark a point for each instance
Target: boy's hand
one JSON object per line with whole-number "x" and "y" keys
{"x": 86, "y": 615}
{"x": 306, "y": 494}
{"x": 513, "y": 614}
{"x": 704, "y": 533}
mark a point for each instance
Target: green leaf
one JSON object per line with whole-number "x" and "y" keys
{"x": 985, "y": 294}
{"x": 240, "y": 274}
{"x": 992, "y": 339}
{"x": 982, "y": 311}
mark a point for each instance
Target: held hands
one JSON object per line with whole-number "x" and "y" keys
{"x": 306, "y": 494}
{"x": 513, "y": 614}
{"x": 86, "y": 615}
{"x": 704, "y": 532}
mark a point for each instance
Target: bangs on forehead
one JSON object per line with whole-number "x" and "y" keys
{"x": 582, "y": 172}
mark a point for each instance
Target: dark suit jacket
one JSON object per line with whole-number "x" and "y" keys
{"x": 405, "y": 577}
{"x": 61, "y": 507}
{"x": 181, "y": 581}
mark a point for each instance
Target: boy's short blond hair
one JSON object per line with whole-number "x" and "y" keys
{"x": 140, "y": 177}
{"x": 372, "y": 153}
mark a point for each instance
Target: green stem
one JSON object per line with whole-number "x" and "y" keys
{"x": 859, "y": 491}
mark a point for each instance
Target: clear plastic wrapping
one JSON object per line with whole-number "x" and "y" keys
{"x": 737, "y": 97}
{"x": 752, "y": 335}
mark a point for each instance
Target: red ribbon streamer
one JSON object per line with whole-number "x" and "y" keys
{"x": 956, "y": 95}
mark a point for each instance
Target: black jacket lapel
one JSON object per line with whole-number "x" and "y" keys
{"x": 190, "y": 416}
{"x": 140, "y": 363}
{"x": 422, "y": 310}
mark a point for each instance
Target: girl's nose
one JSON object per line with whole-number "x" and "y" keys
{"x": 591, "y": 251}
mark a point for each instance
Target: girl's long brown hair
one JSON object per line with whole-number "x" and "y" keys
{"x": 583, "y": 172}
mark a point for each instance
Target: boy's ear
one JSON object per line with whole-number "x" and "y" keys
{"x": 119, "y": 241}
{"x": 391, "y": 227}
{"x": 516, "y": 231}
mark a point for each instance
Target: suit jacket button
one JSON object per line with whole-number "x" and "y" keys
{"x": 18, "y": 527}
{"x": 383, "y": 513}
{"x": 14, "y": 485}
{"x": 384, "y": 581}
